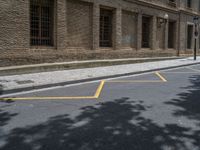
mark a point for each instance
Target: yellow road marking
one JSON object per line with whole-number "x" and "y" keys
{"x": 96, "y": 96}
{"x": 135, "y": 81}
{"x": 48, "y": 98}
{"x": 141, "y": 81}
{"x": 160, "y": 76}
{"x": 180, "y": 72}
{"x": 98, "y": 92}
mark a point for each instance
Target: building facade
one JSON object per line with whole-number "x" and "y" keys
{"x": 37, "y": 31}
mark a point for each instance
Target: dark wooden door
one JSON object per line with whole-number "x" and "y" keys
{"x": 171, "y": 35}
{"x": 189, "y": 36}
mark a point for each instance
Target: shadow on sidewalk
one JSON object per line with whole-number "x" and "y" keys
{"x": 113, "y": 125}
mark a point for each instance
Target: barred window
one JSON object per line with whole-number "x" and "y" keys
{"x": 41, "y": 22}
{"x": 106, "y": 28}
{"x": 189, "y": 3}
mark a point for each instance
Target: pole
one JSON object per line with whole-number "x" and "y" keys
{"x": 196, "y": 34}
{"x": 195, "y": 49}
{"x": 195, "y": 42}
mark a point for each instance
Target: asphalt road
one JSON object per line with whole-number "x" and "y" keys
{"x": 153, "y": 111}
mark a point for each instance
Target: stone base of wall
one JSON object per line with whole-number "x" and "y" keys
{"x": 34, "y": 56}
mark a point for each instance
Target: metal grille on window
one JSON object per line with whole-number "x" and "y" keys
{"x": 41, "y": 13}
{"x": 106, "y": 28}
{"x": 189, "y": 3}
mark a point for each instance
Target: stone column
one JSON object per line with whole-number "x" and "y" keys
{"x": 139, "y": 31}
{"x": 182, "y": 34}
{"x": 95, "y": 27}
{"x": 61, "y": 24}
{"x": 176, "y": 44}
{"x": 153, "y": 33}
{"x": 166, "y": 35}
{"x": 117, "y": 28}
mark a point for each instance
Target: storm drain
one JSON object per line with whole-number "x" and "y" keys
{"x": 24, "y": 82}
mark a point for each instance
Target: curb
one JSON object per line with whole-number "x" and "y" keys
{"x": 12, "y": 91}
{"x": 16, "y": 70}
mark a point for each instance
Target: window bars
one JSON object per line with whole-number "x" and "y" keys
{"x": 41, "y": 22}
{"x": 106, "y": 28}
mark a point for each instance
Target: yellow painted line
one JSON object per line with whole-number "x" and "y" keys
{"x": 98, "y": 92}
{"x": 141, "y": 81}
{"x": 135, "y": 81}
{"x": 96, "y": 96}
{"x": 160, "y": 76}
{"x": 48, "y": 98}
{"x": 179, "y": 72}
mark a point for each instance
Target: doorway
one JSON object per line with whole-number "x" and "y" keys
{"x": 171, "y": 34}
{"x": 189, "y": 36}
{"x": 145, "y": 32}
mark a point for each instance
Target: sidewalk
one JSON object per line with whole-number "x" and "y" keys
{"x": 25, "y": 82}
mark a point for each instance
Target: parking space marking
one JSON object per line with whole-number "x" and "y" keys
{"x": 136, "y": 81}
{"x": 48, "y": 98}
{"x": 180, "y": 72}
{"x": 96, "y": 96}
{"x": 97, "y": 93}
{"x": 161, "y": 77}
{"x": 100, "y": 88}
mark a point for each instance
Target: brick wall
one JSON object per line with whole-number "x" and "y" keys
{"x": 76, "y": 30}
{"x": 14, "y": 25}
{"x": 79, "y": 23}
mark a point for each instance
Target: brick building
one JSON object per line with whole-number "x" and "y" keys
{"x": 36, "y": 31}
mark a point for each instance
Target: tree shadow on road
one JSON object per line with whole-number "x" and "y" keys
{"x": 189, "y": 104}
{"x": 5, "y": 117}
{"x": 1, "y": 89}
{"x": 114, "y": 125}
{"x": 189, "y": 101}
